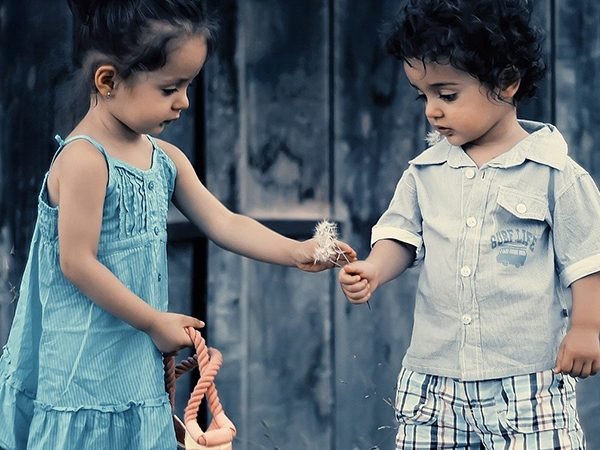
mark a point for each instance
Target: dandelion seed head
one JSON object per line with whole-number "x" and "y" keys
{"x": 433, "y": 137}
{"x": 325, "y": 235}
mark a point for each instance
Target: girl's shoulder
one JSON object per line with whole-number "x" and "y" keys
{"x": 79, "y": 155}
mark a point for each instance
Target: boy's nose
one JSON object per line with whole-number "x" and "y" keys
{"x": 432, "y": 110}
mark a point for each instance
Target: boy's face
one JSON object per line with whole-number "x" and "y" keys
{"x": 459, "y": 106}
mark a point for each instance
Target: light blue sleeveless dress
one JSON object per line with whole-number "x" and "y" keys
{"x": 73, "y": 376}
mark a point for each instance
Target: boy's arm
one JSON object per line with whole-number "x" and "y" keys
{"x": 387, "y": 260}
{"x": 579, "y": 353}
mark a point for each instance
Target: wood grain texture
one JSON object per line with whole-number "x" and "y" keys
{"x": 378, "y": 127}
{"x": 299, "y": 115}
{"x": 577, "y": 75}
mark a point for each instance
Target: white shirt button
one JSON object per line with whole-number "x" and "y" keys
{"x": 467, "y": 319}
{"x": 521, "y": 208}
{"x": 470, "y": 173}
{"x": 465, "y": 271}
{"x": 471, "y": 221}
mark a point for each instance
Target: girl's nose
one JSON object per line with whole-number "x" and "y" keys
{"x": 182, "y": 102}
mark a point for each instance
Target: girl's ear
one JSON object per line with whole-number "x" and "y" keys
{"x": 105, "y": 79}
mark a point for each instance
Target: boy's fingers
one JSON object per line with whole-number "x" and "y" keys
{"x": 346, "y": 278}
{"x": 559, "y": 360}
{"x": 360, "y": 297}
{"x": 352, "y": 269}
{"x": 576, "y": 368}
{"x": 595, "y": 367}
{"x": 586, "y": 369}
{"x": 356, "y": 287}
{"x": 566, "y": 364}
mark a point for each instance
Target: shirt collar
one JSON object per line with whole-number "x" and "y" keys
{"x": 544, "y": 145}
{"x": 441, "y": 153}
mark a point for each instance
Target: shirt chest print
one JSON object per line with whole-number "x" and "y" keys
{"x": 512, "y": 246}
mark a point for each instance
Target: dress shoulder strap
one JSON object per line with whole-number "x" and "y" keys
{"x": 62, "y": 143}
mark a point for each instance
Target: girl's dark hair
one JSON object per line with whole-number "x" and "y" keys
{"x": 492, "y": 40}
{"x": 133, "y": 35}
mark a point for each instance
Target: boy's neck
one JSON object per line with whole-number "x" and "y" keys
{"x": 498, "y": 141}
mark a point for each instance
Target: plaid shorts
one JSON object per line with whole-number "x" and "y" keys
{"x": 525, "y": 412}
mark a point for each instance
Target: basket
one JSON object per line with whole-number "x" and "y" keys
{"x": 221, "y": 431}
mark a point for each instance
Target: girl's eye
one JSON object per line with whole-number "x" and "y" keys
{"x": 421, "y": 97}
{"x": 448, "y": 97}
{"x": 169, "y": 91}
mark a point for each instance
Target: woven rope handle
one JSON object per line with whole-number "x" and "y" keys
{"x": 208, "y": 361}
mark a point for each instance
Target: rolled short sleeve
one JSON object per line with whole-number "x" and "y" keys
{"x": 402, "y": 219}
{"x": 576, "y": 230}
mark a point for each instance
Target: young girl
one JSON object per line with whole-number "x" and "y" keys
{"x": 505, "y": 226}
{"x": 82, "y": 368}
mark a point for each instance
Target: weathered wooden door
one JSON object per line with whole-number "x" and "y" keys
{"x": 307, "y": 118}
{"x": 299, "y": 116}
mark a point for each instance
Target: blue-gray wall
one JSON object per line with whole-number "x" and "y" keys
{"x": 301, "y": 116}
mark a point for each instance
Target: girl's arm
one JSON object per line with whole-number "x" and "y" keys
{"x": 81, "y": 177}
{"x": 579, "y": 353}
{"x": 387, "y": 260}
{"x": 236, "y": 232}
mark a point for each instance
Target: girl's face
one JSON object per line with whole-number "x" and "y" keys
{"x": 459, "y": 106}
{"x": 148, "y": 101}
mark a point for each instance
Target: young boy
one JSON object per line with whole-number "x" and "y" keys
{"x": 507, "y": 230}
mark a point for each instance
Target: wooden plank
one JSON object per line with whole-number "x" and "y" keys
{"x": 378, "y": 127}
{"x": 541, "y": 107}
{"x": 267, "y": 156}
{"x": 290, "y": 398}
{"x": 222, "y": 154}
{"x": 32, "y": 110}
{"x": 578, "y": 72}
{"x": 284, "y": 174}
{"x": 284, "y": 87}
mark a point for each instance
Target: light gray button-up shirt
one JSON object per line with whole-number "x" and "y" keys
{"x": 499, "y": 246}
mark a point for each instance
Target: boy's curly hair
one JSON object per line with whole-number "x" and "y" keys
{"x": 492, "y": 40}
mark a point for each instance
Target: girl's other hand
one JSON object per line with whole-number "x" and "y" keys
{"x": 305, "y": 256}
{"x": 168, "y": 331}
{"x": 358, "y": 281}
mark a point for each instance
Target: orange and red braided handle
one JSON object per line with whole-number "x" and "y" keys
{"x": 208, "y": 360}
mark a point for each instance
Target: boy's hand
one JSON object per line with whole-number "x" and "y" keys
{"x": 305, "y": 257}
{"x": 358, "y": 280}
{"x": 579, "y": 352}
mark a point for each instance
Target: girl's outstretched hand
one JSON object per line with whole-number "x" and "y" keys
{"x": 168, "y": 331}
{"x": 358, "y": 280}
{"x": 305, "y": 256}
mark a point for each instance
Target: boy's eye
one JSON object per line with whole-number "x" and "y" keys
{"x": 169, "y": 91}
